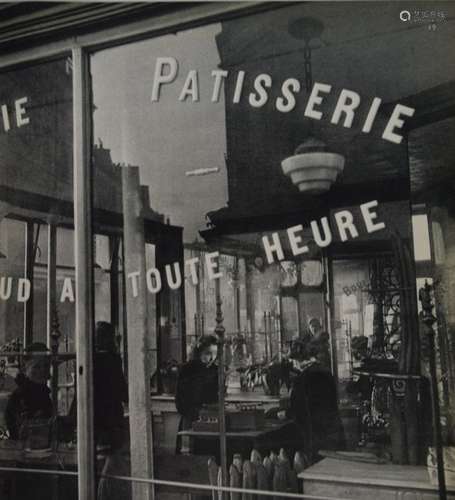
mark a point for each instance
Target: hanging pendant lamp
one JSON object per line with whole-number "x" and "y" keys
{"x": 313, "y": 168}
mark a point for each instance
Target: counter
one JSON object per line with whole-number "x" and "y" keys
{"x": 356, "y": 481}
{"x": 166, "y": 419}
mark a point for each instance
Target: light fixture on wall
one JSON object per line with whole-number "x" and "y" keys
{"x": 313, "y": 168}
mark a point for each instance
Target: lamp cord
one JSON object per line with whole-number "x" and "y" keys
{"x": 308, "y": 68}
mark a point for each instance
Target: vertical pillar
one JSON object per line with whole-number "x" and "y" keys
{"x": 197, "y": 315}
{"x": 330, "y": 314}
{"x": 114, "y": 289}
{"x": 428, "y": 319}
{"x": 84, "y": 274}
{"x": 138, "y": 342}
{"x": 51, "y": 278}
{"x": 28, "y": 274}
{"x": 52, "y": 323}
{"x": 235, "y": 279}
{"x": 250, "y": 309}
{"x": 219, "y": 330}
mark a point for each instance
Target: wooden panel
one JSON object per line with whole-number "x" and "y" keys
{"x": 138, "y": 339}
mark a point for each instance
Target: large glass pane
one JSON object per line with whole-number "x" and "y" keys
{"x": 433, "y": 234}
{"x": 203, "y": 143}
{"x": 37, "y": 353}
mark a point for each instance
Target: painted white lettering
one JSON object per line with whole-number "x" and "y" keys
{"x": 367, "y": 126}
{"x": 177, "y": 282}
{"x": 134, "y": 282}
{"x": 273, "y": 247}
{"x": 5, "y": 287}
{"x": 238, "y": 87}
{"x": 21, "y": 119}
{"x": 321, "y": 241}
{"x": 67, "y": 291}
{"x": 345, "y": 223}
{"x": 192, "y": 264}
{"x": 369, "y": 216}
{"x": 295, "y": 240}
{"x": 347, "y": 102}
{"x": 395, "y": 121}
{"x": 287, "y": 102}
{"x": 23, "y": 289}
{"x": 160, "y": 78}
{"x": 153, "y": 278}
{"x": 219, "y": 75}
{"x": 190, "y": 87}
{"x": 211, "y": 261}
{"x": 5, "y": 118}
{"x": 260, "y": 83}
{"x": 315, "y": 99}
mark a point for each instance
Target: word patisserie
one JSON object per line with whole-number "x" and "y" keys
{"x": 167, "y": 69}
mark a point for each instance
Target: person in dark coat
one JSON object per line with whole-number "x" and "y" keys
{"x": 319, "y": 342}
{"x": 31, "y": 399}
{"x": 30, "y": 402}
{"x": 197, "y": 385}
{"x": 110, "y": 389}
{"x": 110, "y": 394}
{"x": 314, "y": 404}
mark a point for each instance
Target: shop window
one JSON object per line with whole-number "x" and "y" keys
{"x": 188, "y": 170}
{"x": 38, "y": 327}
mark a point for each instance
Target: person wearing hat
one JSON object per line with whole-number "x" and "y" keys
{"x": 31, "y": 398}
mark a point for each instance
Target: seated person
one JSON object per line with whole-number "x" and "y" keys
{"x": 313, "y": 403}
{"x": 31, "y": 399}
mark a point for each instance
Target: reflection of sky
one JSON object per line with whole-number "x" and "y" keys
{"x": 165, "y": 138}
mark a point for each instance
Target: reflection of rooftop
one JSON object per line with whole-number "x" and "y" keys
{"x": 108, "y": 185}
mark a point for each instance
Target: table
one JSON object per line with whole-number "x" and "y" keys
{"x": 250, "y": 439}
{"x": 345, "y": 479}
{"x": 166, "y": 419}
